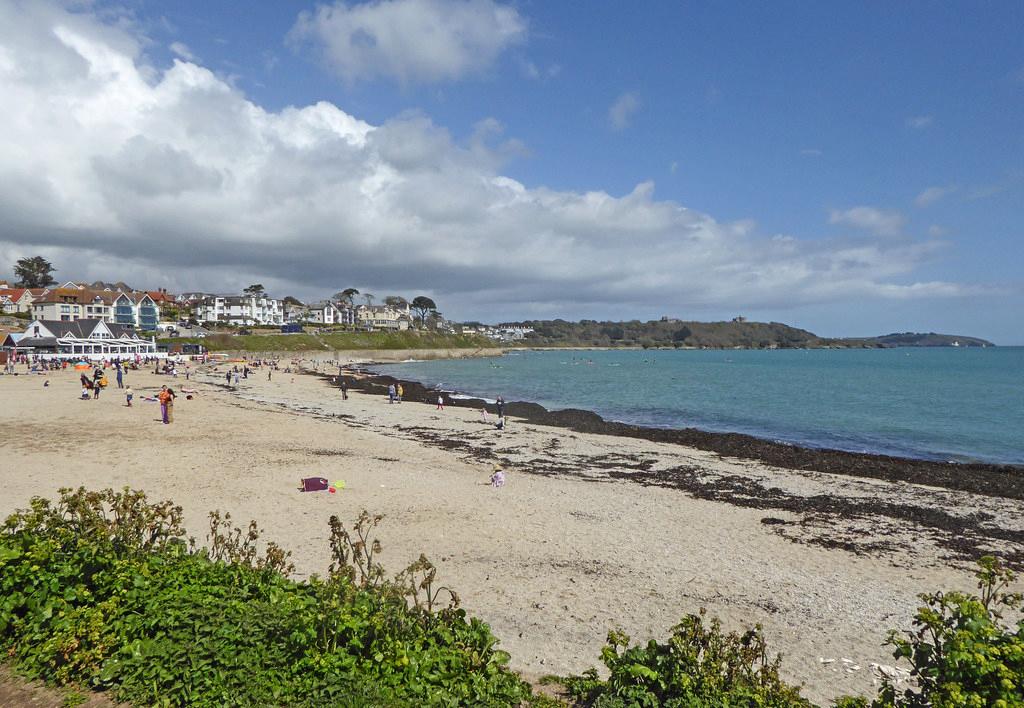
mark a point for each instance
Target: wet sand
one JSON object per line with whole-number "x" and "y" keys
{"x": 591, "y": 531}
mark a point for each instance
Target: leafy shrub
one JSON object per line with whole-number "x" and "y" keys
{"x": 102, "y": 589}
{"x": 699, "y": 666}
{"x": 962, "y": 652}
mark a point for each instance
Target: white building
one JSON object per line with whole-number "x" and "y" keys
{"x": 66, "y": 304}
{"x": 82, "y": 338}
{"x": 15, "y": 300}
{"x": 513, "y": 331}
{"x": 329, "y": 312}
{"x": 240, "y": 310}
{"x": 383, "y": 317}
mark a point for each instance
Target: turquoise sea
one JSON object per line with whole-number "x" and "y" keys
{"x": 944, "y": 403}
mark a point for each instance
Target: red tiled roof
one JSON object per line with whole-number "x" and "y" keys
{"x": 14, "y": 293}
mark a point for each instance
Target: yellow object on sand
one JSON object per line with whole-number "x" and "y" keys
{"x": 339, "y": 484}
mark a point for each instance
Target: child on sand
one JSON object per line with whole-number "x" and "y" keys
{"x": 128, "y": 396}
{"x": 440, "y": 402}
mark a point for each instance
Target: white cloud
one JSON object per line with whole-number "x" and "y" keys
{"x": 180, "y": 49}
{"x": 919, "y": 122}
{"x": 412, "y": 41}
{"x": 932, "y": 195}
{"x": 877, "y": 221}
{"x": 115, "y": 170}
{"x": 621, "y": 111}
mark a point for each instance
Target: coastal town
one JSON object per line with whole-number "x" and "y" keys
{"x": 467, "y": 353}
{"x": 101, "y": 319}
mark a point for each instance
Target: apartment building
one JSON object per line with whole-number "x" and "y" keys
{"x": 240, "y": 310}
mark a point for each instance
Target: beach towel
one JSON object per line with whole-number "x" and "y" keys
{"x": 313, "y": 484}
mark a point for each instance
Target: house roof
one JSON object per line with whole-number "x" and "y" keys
{"x": 83, "y": 328}
{"x": 14, "y": 293}
{"x": 74, "y": 295}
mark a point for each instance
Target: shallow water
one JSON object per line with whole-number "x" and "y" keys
{"x": 942, "y": 403}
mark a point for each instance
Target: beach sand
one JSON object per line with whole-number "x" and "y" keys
{"x": 590, "y": 532}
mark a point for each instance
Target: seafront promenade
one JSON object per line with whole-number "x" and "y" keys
{"x": 582, "y": 538}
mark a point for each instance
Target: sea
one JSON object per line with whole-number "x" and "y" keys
{"x": 948, "y": 403}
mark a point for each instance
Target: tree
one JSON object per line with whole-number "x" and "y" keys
{"x": 34, "y": 272}
{"x": 369, "y": 297}
{"x": 422, "y": 306}
{"x": 347, "y": 295}
{"x": 396, "y": 302}
{"x": 290, "y": 300}
{"x": 255, "y": 289}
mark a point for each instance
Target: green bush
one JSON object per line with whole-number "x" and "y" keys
{"x": 103, "y": 589}
{"x": 699, "y": 666}
{"x": 962, "y": 652}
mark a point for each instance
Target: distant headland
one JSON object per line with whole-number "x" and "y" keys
{"x": 738, "y": 333}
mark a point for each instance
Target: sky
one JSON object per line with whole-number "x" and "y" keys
{"x": 850, "y": 168}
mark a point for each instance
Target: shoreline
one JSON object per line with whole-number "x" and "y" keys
{"x": 988, "y": 479}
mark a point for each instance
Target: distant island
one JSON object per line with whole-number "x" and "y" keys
{"x": 735, "y": 334}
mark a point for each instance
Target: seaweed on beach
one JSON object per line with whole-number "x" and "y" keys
{"x": 986, "y": 479}
{"x": 860, "y": 525}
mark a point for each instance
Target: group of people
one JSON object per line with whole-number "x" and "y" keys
{"x": 91, "y": 387}
{"x": 395, "y": 393}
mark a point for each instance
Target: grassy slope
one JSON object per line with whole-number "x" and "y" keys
{"x": 339, "y": 341}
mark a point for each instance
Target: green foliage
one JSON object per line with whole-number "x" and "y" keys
{"x": 102, "y": 589}
{"x": 423, "y": 306}
{"x": 667, "y": 333}
{"x": 962, "y": 652}
{"x": 338, "y": 341}
{"x": 700, "y": 665}
{"x": 34, "y": 272}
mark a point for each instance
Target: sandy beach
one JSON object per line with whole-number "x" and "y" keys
{"x": 590, "y": 531}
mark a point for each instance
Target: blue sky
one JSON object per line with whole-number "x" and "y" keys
{"x": 861, "y": 166}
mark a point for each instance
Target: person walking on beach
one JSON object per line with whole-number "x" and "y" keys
{"x": 344, "y": 389}
{"x": 501, "y": 407}
{"x": 163, "y": 397}
{"x": 440, "y": 401}
{"x": 120, "y": 376}
{"x": 228, "y": 376}
{"x": 391, "y": 393}
{"x": 170, "y": 405}
{"x": 236, "y": 379}
{"x": 128, "y": 396}
{"x": 400, "y": 392}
